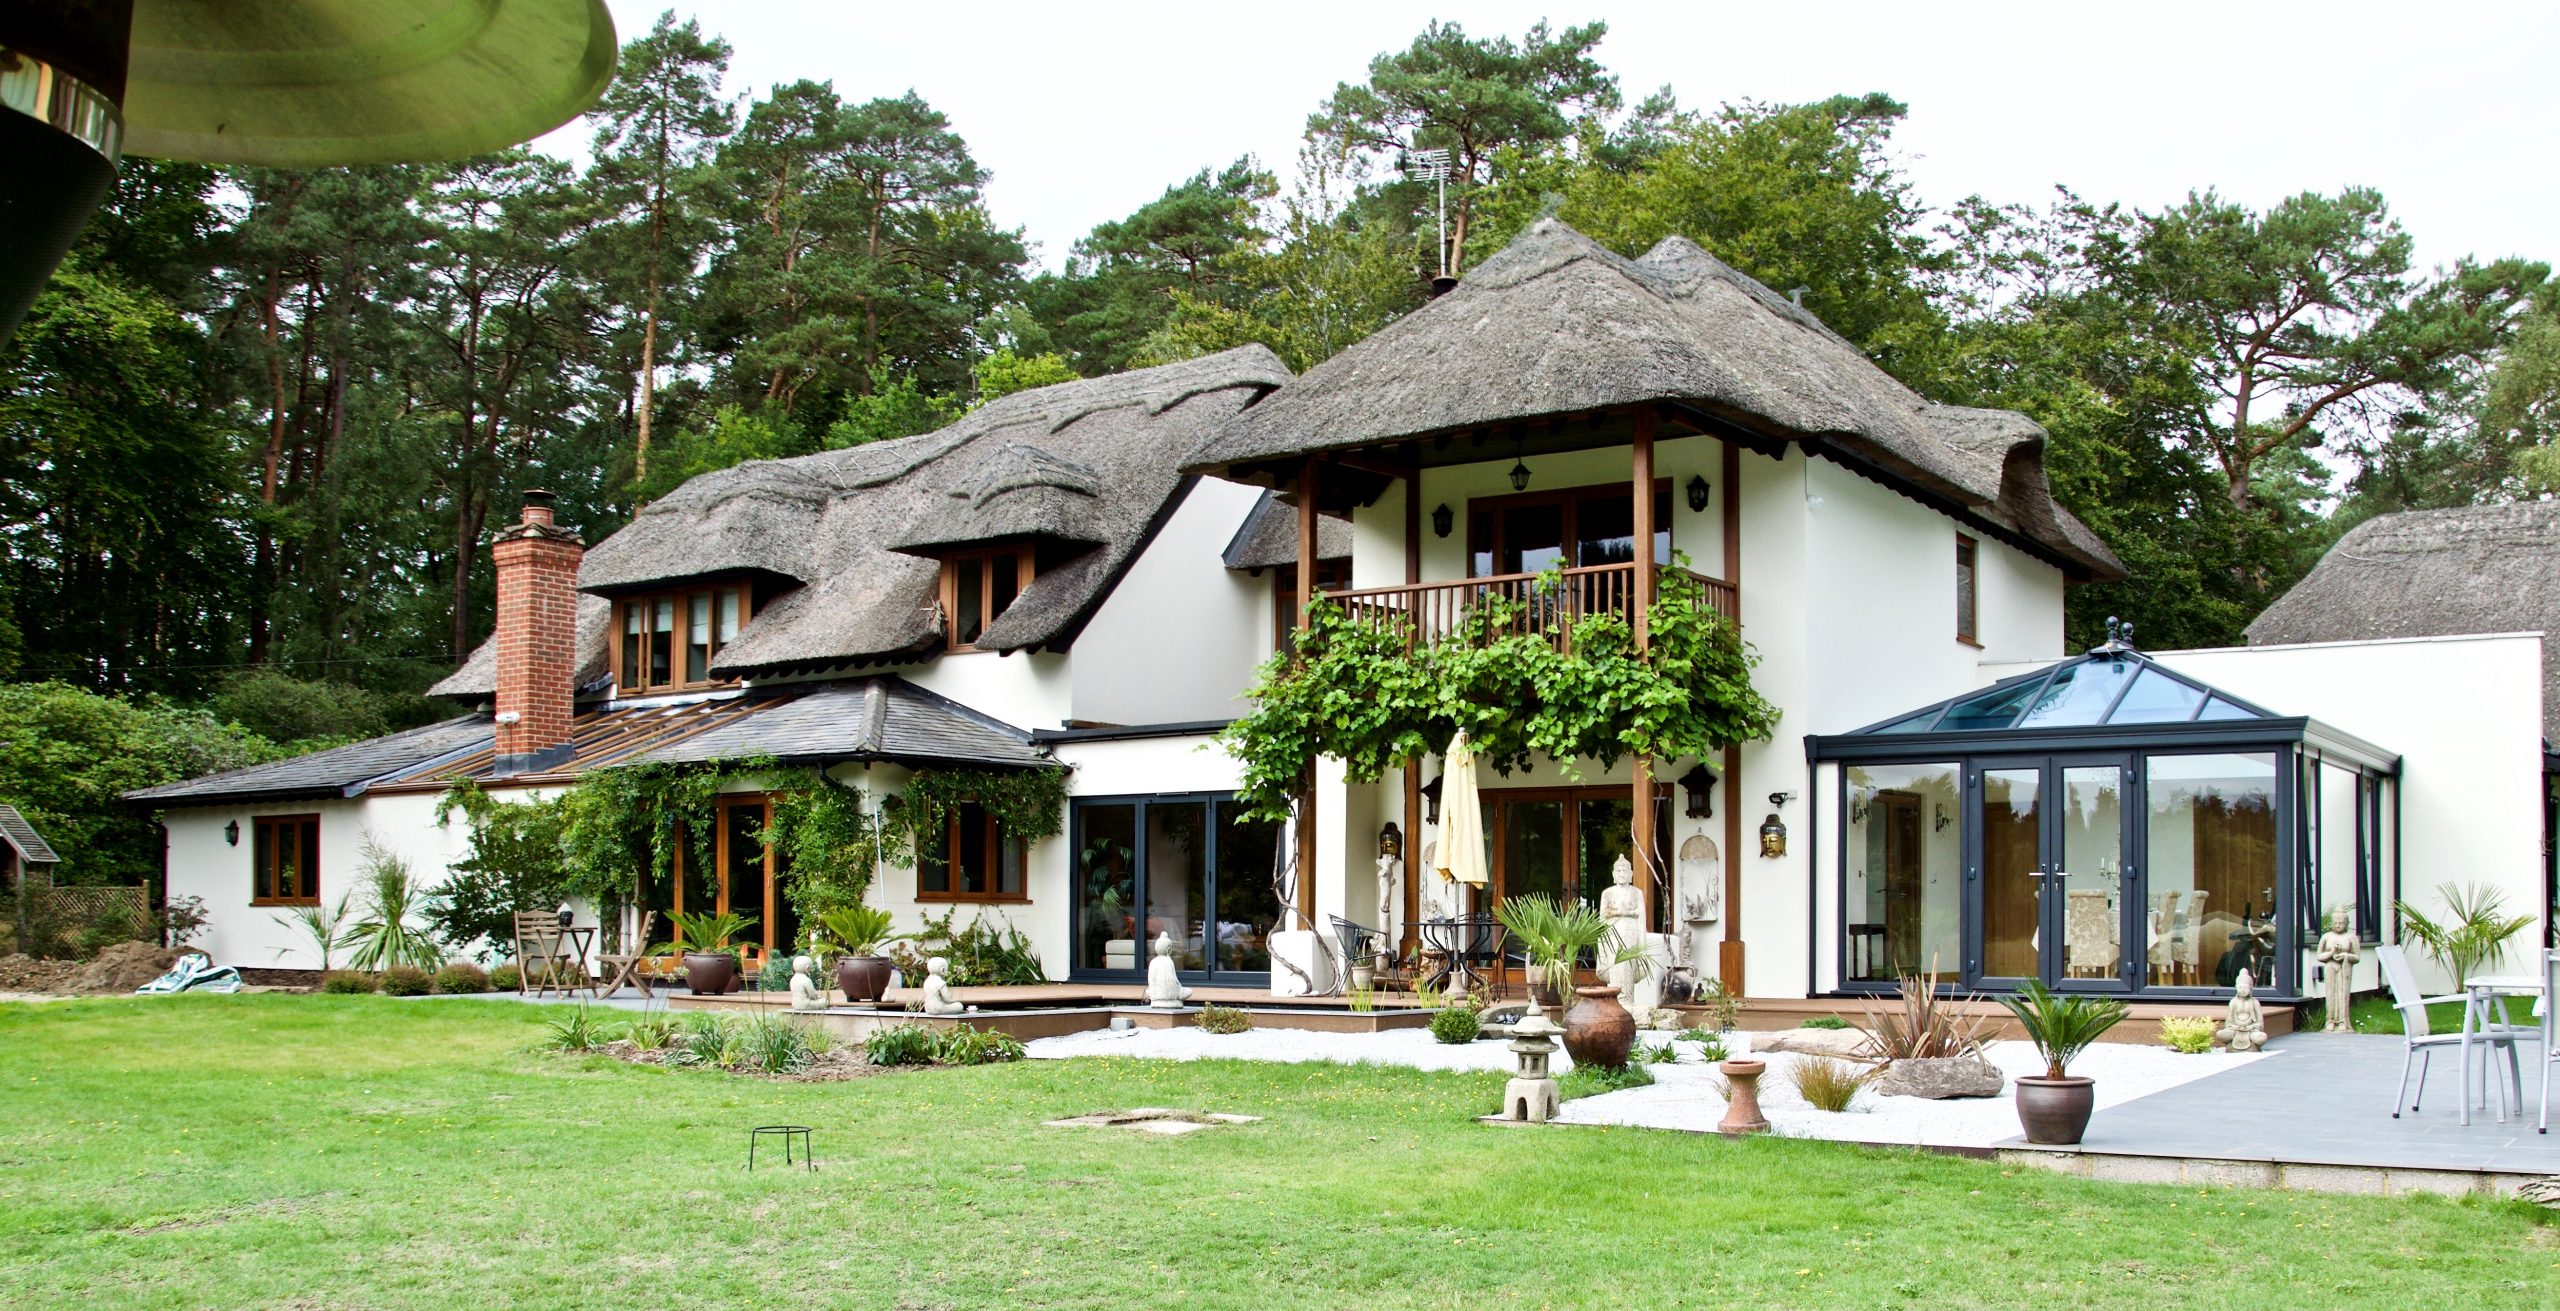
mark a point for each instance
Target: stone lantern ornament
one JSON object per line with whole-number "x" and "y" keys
{"x": 1532, "y": 1097}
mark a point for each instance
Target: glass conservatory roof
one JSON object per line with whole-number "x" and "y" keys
{"x": 2112, "y": 684}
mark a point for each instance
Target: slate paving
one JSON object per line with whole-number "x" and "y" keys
{"x": 2325, "y": 1099}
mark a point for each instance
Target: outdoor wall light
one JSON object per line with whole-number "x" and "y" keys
{"x": 231, "y": 833}
{"x": 1431, "y": 800}
{"x": 1698, "y": 492}
{"x": 1700, "y": 784}
{"x": 1441, "y": 518}
{"x": 1520, "y": 476}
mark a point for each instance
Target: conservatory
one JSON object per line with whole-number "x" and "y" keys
{"x": 2105, "y": 824}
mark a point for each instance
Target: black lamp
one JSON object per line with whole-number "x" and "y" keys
{"x": 1698, "y": 490}
{"x": 1520, "y": 476}
{"x": 1441, "y": 518}
{"x": 1431, "y": 800}
{"x": 1700, "y": 784}
{"x": 231, "y": 833}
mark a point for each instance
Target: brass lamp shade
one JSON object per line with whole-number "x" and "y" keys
{"x": 306, "y": 83}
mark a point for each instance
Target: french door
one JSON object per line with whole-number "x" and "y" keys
{"x": 2052, "y": 893}
{"x": 1189, "y": 868}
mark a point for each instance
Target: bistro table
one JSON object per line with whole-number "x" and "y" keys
{"x": 2484, "y": 1016}
{"x": 570, "y": 951}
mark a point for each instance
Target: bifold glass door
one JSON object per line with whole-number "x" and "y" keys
{"x": 2051, "y": 890}
{"x": 1192, "y": 869}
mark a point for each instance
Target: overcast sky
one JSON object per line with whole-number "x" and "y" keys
{"x": 1085, "y": 110}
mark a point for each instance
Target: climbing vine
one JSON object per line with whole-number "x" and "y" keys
{"x": 1352, "y": 691}
{"x": 1028, "y": 804}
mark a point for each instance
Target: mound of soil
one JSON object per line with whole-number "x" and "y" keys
{"x": 120, "y": 968}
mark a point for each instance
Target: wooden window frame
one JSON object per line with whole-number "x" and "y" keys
{"x": 307, "y": 891}
{"x": 986, "y": 560}
{"x": 1565, "y": 499}
{"x": 1968, "y": 591}
{"x": 997, "y": 840}
{"x": 631, "y": 682}
{"x": 764, "y": 915}
{"x": 1331, "y": 576}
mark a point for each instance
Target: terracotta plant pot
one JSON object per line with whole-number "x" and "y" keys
{"x": 2055, "y": 1112}
{"x": 862, "y": 978}
{"x": 710, "y": 973}
{"x": 1599, "y": 1031}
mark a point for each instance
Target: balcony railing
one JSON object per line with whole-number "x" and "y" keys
{"x": 1430, "y": 612}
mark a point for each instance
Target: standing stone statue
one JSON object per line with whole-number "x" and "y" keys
{"x": 1164, "y": 987}
{"x": 2338, "y": 949}
{"x": 937, "y": 989}
{"x": 806, "y": 995}
{"x": 1622, "y": 909}
{"x": 1390, "y": 882}
{"x": 2244, "y": 1027}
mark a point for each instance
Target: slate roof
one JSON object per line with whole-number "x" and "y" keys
{"x": 2434, "y": 573}
{"x": 872, "y": 719}
{"x": 1093, "y": 465}
{"x": 337, "y": 772}
{"x": 22, "y": 837}
{"x": 1557, "y": 325}
{"x": 1268, "y": 537}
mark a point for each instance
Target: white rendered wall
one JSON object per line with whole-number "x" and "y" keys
{"x": 1177, "y": 640}
{"x": 202, "y": 864}
{"x": 1026, "y": 690}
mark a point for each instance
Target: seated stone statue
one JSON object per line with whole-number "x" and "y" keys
{"x": 2244, "y": 1028}
{"x": 1164, "y": 987}
{"x": 937, "y": 989}
{"x": 806, "y": 995}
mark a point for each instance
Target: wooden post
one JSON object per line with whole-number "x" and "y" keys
{"x": 1729, "y": 953}
{"x": 1406, "y": 939}
{"x": 1306, "y": 843}
{"x": 1640, "y": 830}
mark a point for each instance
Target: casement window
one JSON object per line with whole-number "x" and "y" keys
{"x": 977, "y": 586}
{"x": 1967, "y": 609}
{"x": 975, "y": 861}
{"x": 285, "y": 856}
{"x": 668, "y": 640}
{"x": 1574, "y": 527}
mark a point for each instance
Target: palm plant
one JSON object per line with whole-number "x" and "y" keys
{"x": 707, "y": 933}
{"x": 326, "y": 926}
{"x": 856, "y": 930}
{"x": 2474, "y": 933}
{"x": 1555, "y": 936}
{"x": 387, "y": 936}
{"x": 2062, "y": 1025}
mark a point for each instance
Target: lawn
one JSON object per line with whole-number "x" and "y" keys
{"x": 362, "y": 1152}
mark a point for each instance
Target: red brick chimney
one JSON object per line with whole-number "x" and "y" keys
{"x": 537, "y": 564}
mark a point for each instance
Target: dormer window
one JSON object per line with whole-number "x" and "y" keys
{"x": 667, "y": 641}
{"x": 977, "y": 586}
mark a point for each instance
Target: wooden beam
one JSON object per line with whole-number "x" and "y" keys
{"x": 1306, "y": 843}
{"x": 1641, "y": 828}
{"x": 1729, "y": 954}
{"x": 1365, "y": 464}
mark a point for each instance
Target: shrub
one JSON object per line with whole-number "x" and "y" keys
{"x": 349, "y": 981}
{"x": 651, "y": 1033}
{"x": 775, "y": 1044}
{"x": 1828, "y": 1083}
{"x": 900, "y": 1044}
{"x": 1224, "y": 1019}
{"x": 967, "y": 1045}
{"x": 1593, "y": 1080}
{"x": 406, "y": 981}
{"x": 703, "y": 1039}
{"x": 461, "y": 979}
{"x": 1824, "y": 1022}
{"x": 577, "y": 1031}
{"x": 390, "y": 934}
{"x": 1456, "y": 1024}
{"x": 2191, "y": 1034}
{"x": 506, "y": 978}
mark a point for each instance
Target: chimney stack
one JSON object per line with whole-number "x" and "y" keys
{"x": 537, "y": 563}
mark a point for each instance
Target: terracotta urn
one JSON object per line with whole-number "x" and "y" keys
{"x": 1599, "y": 1031}
{"x": 2055, "y": 1112}
{"x": 862, "y": 978}
{"x": 1742, "y": 1098}
{"x": 710, "y": 973}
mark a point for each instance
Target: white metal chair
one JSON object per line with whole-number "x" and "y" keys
{"x": 2421, "y": 1038}
{"x": 2548, "y": 1007}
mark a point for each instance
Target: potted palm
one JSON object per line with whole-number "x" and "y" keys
{"x": 1598, "y": 1030}
{"x": 856, "y": 933}
{"x": 2054, "y": 1108}
{"x": 710, "y": 963}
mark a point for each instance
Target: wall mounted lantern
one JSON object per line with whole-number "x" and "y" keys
{"x": 1698, "y": 492}
{"x": 231, "y": 833}
{"x": 1431, "y": 800}
{"x": 1440, "y": 520}
{"x": 1520, "y": 476}
{"x": 1700, "y": 785}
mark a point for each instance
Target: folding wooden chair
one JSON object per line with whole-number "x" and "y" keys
{"x": 538, "y": 953}
{"x": 624, "y": 966}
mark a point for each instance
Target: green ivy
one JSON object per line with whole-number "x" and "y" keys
{"x": 1352, "y": 691}
{"x": 1028, "y": 804}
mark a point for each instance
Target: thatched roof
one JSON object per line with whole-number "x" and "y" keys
{"x": 1089, "y": 466}
{"x": 1555, "y": 325}
{"x": 1268, "y": 538}
{"x": 2435, "y": 573}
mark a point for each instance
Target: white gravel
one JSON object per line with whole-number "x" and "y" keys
{"x": 1688, "y": 1095}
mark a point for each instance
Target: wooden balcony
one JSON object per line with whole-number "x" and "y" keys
{"x": 1431, "y": 612}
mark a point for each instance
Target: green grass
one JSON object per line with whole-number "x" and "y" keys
{"x": 309, "y": 1152}
{"x": 2373, "y": 1013}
